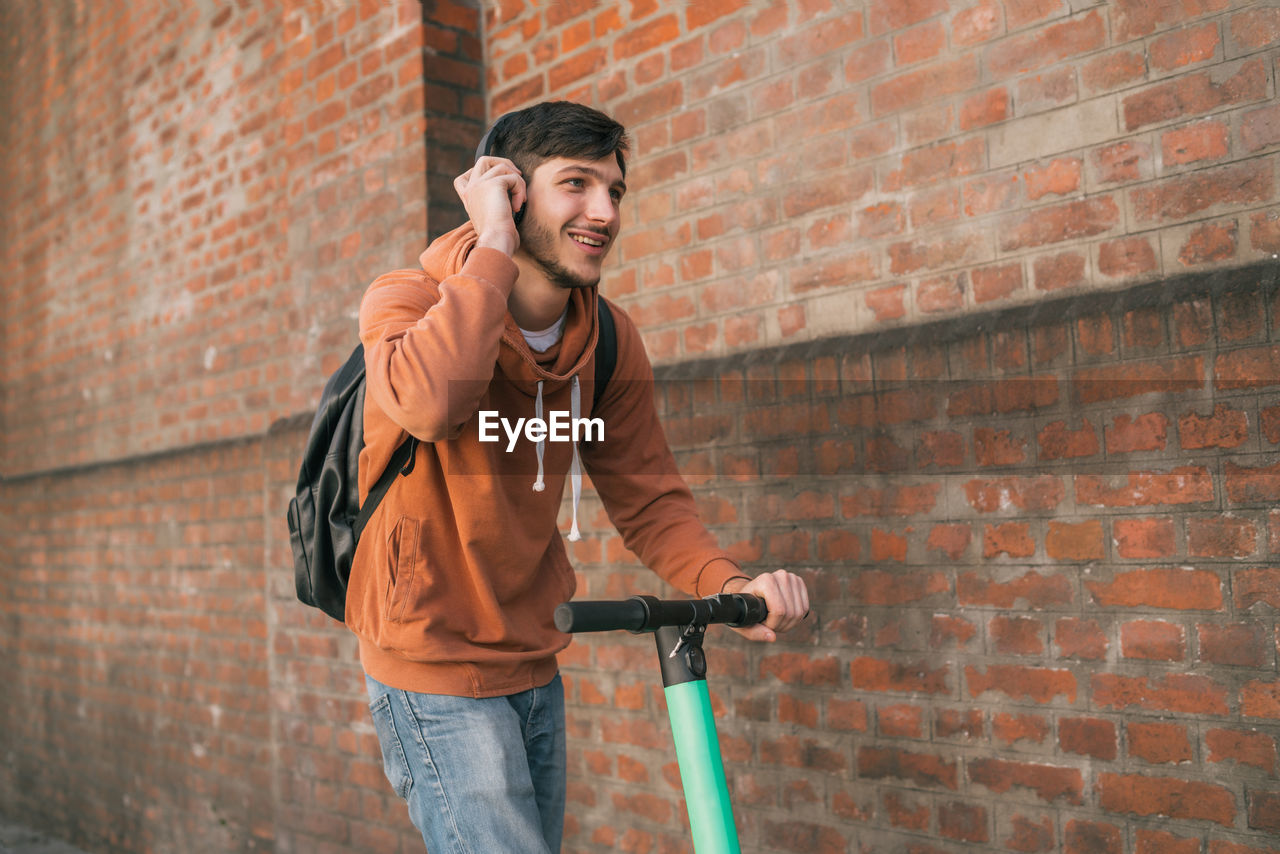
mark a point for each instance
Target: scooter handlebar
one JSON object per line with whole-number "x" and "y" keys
{"x": 648, "y": 613}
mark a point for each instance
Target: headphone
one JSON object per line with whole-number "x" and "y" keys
{"x": 485, "y": 149}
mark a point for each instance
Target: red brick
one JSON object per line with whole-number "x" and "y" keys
{"x": 1239, "y": 645}
{"x": 923, "y": 85}
{"x": 1256, "y": 28}
{"x": 796, "y": 752}
{"x": 963, "y": 822}
{"x": 952, "y": 723}
{"x": 877, "y": 587}
{"x": 1184, "y": 485}
{"x": 1059, "y": 178}
{"x": 976, "y": 24}
{"x": 1203, "y": 141}
{"x": 1057, "y": 442}
{"x": 1174, "y": 589}
{"x": 938, "y": 162}
{"x": 1222, "y": 536}
{"x": 1153, "y": 640}
{"x": 1016, "y": 635}
{"x": 1078, "y": 541}
{"x": 1259, "y": 699}
{"x": 1260, "y": 128}
{"x": 1092, "y": 837}
{"x": 944, "y": 293}
{"x": 1055, "y": 272}
{"x": 1193, "y": 95}
{"x": 901, "y": 721}
{"x": 919, "y": 43}
{"x": 1197, "y": 695}
{"x": 1127, "y": 256}
{"x": 946, "y": 629}
{"x": 940, "y": 448}
{"x": 1047, "y": 90}
{"x": 1166, "y": 796}
{"x": 913, "y": 815}
{"x": 1159, "y": 842}
{"x": 1029, "y": 836}
{"x": 1014, "y": 728}
{"x": 1077, "y": 638}
{"x": 1009, "y": 538}
{"x": 803, "y": 837}
{"x": 1158, "y": 742}
{"x": 1069, "y": 221}
{"x": 886, "y": 15}
{"x": 1094, "y": 737}
{"x": 1047, "y": 45}
{"x": 1247, "y": 748}
{"x": 985, "y": 108}
{"x": 1041, "y": 685}
{"x": 1264, "y": 810}
{"x": 647, "y": 36}
{"x": 1248, "y": 485}
{"x": 913, "y": 256}
{"x": 1122, "y": 162}
{"x": 1032, "y": 588}
{"x": 995, "y": 283}
{"x": 1184, "y": 47}
{"x": 1144, "y": 537}
{"x": 1253, "y": 367}
{"x": 873, "y": 674}
{"x": 1113, "y": 70}
{"x": 1209, "y": 243}
{"x": 1134, "y": 18}
{"x": 920, "y": 768}
{"x": 1050, "y": 783}
{"x": 1253, "y": 586}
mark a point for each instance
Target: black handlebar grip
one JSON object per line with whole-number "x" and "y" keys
{"x": 601, "y": 616}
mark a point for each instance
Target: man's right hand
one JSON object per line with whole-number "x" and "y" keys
{"x": 491, "y": 191}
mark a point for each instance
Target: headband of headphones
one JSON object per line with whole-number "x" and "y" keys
{"x": 485, "y": 148}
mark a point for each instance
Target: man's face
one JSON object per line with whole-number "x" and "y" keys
{"x": 571, "y": 218}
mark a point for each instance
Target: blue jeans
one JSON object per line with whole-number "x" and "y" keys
{"x": 479, "y": 776}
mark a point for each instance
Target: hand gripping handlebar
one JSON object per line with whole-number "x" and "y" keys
{"x": 649, "y": 613}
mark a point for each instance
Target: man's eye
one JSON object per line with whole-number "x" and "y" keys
{"x": 577, "y": 182}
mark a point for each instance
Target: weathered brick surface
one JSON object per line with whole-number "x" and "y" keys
{"x": 1042, "y": 543}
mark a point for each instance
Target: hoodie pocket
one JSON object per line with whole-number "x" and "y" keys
{"x": 403, "y": 555}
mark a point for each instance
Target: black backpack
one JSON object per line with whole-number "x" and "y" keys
{"x": 325, "y": 515}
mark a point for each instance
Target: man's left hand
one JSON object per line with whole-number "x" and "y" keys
{"x": 784, "y": 594}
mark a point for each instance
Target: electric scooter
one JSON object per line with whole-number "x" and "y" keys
{"x": 679, "y": 626}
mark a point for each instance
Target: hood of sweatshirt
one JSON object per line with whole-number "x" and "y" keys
{"x": 521, "y": 366}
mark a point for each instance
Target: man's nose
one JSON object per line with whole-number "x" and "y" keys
{"x": 600, "y": 207}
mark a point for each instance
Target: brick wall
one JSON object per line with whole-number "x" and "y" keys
{"x": 194, "y": 200}
{"x": 966, "y": 310}
{"x": 811, "y": 167}
{"x": 1042, "y": 547}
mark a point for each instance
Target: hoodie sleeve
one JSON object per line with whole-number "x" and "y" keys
{"x": 635, "y": 474}
{"x": 430, "y": 349}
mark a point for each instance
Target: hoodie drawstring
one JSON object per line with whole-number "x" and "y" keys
{"x": 575, "y": 468}
{"x": 539, "y": 485}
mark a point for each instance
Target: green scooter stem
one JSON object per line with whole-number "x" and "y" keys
{"x": 693, "y": 728}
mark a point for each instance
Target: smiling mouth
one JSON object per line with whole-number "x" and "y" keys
{"x": 587, "y": 241}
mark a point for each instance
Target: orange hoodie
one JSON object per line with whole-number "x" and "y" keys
{"x": 458, "y": 572}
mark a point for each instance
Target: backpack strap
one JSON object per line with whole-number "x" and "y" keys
{"x": 606, "y": 350}
{"x": 401, "y": 463}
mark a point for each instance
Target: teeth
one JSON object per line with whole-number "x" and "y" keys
{"x": 588, "y": 240}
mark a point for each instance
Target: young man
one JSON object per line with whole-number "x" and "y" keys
{"x": 459, "y": 571}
